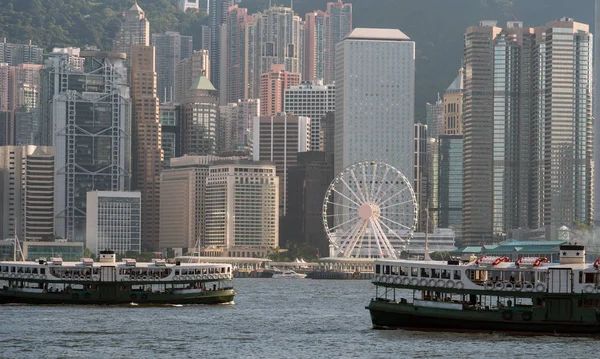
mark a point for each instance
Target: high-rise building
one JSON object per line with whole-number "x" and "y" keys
{"x": 233, "y": 66}
{"x": 317, "y": 55}
{"x": 27, "y": 192}
{"x": 527, "y": 148}
{"x": 148, "y": 155}
{"x": 314, "y": 100}
{"x": 85, "y": 114}
{"x": 235, "y": 126}
{"x": 199, "y": 114}
{"x": 113, "y": 221}
{"x": 135, "y": 30}
{"x": 435, "y": 118}
{"x": 242, "y": 200}
{"x": 272, "y": 88}
{"x": 205, "y": 38}
{"x": 281, "y": 39}
{"x": 189, "y": 69}
{"x": 450, "y": 183}
{"x": 340, "y": 22}
{"x": 279, "y": 139}
{"x": 171, "y": 131}
{"x": 453, "y": 103}
{"x": 307, "y": 183}
{"x": 182, "y": 190}
{"x": 374, "y": 110}
{"x": 420, "y": 173}
{"x": 171, "y": 48}
{"x": 184, "y": 5}
{"x": 217, "y": 10}
{"x": 15, "y": 54}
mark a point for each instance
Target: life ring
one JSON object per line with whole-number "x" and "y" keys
{"x": 144, "y": 296}
{"x": 540, "y": 287}
{"x": 499, "y": 286}
{"x": 19, "y": 276}
{"x": 405, "y": 281}
{"x": 423, "y": 282}
{"x": 509, "y": 286}
{"x": 414, "y": 281}
{"x": 398, "y": 280}
{"x": 459, "y": 285}
{"x": 188, "y": 277}
{"x": 507, "y": 315}
{"x": 588, "y": 288}
{"x": 527, "y": 316}
{"x": 43, "y": 276}
{"x": 440, "y": 283}
{"x": 597, "y": 289}
{"x": 377, "y": 278}
{"x": 450, "y": 284}
{"x": 87, "y": 295}
{"x": 528, "y": 287}
{"x": 75, "y": 296}
{"x": 95, "y": 278}
{"x": 133, "y": 296}
{"x": 489, "y": 285}
{"x": 144, "y": 277}
{"x": 432, "y": 283}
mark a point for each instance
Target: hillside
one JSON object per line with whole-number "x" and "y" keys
{"x": 437, "y": 26}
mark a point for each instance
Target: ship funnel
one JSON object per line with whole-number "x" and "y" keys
{"x": 107, "y": 257}
{"x": 572, "y": 254}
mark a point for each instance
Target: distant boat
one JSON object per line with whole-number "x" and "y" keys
{"x": 288, "y": 274}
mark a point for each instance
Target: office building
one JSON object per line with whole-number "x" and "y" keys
{"x": 27, "y": 192}
{"x": 279, "y": 139}
{"x": 182, "y": 190}
{"x": 87, "y": 119}
{"x": 242, "y": 200}
{"x": 147, "y": 152}
{"x": 199, "y": 115}
{"x": 170, "y": 124}
{"x": 375, "y": 119}
{"x": 453, "y": 103}
{"x": 340, "y": 22}
{"x": 435, "y": 118}
{"x": 189, "y": 69}
{"x": 135, "y": 30}
{"x": 420, "y": 173}
{"x": 272, "y": 89}
{"x": 317, "y": 55}
{"x": 217, "y": 12}
{"x": 68, "y": 251}
{"x": 450, "y": 183}
{"x": 113, "y": 222}
{"x": 308, "y": 181}
{"x": 314, "y": 100}
{"x": 171, "y": 48}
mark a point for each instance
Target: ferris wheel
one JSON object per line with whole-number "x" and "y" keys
{"x": 369, "y": 211}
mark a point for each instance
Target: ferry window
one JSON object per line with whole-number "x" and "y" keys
{"x": 403, "y": 271}
{"x": 589, "y": 277}
{"x": 20, "y": 270}
{"x": 414, "y": 272}
{"x": 4, "y": 269}
{"x": 425, "y": 272}
{"x": 42, "y": 270}
{"x": 377, "y": 269}
{"x": 445, "y": 274}
{"x": 387, "y": 269}
{"x": 177, "y": 272}
{"x": 435, "y": 273}
{"x": 12, "y": 269}
{"x": 580, "y": 278}
{"x": 456, "y": 274}
{"x": 34, "y": 270}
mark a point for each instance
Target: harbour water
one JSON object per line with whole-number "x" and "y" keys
{"x": 271, "y": 318}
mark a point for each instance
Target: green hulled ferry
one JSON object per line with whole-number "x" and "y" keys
{"x": 112, "y": 282}
{"x": 529, "y": 295}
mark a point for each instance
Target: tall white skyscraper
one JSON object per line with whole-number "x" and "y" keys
{"x": 374, "y": 112}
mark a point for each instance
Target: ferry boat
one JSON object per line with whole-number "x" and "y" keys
{"x": 112, "y": 282}
{"x": 529, "y": 295}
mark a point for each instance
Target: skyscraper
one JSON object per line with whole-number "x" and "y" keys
{"x": 317, "y": 56}
{"x": 189, "y": 69}
{"x": 279, "y": 139}
{"x": 272, "y": 88}
{"x": 453, "y": 103}
{"x": 435, "y": 118}
{"x": 15, "y": 54}
{"x": 148, "y": 155}
{"x": 374, "y": 110}
{"x": 421, "y": 173}
{"x": 199, "y": 114}
{"x": 340, "y": 23}
{"x": 86, "y": 115}
{"x": 171, "y": 48}
{"x": 217, "y": 10}
{"x": 450, "y": 187}
{"x": 27, "y": 192}
{"x": 135, "y": 30}
{"x": 527, "y": 148}
{"x": 314, "y": 100}
{"x": 281, "y": 39}
{"x": 171, "y": 131}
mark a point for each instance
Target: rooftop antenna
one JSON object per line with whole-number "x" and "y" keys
{"x": 17, "y": 246}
